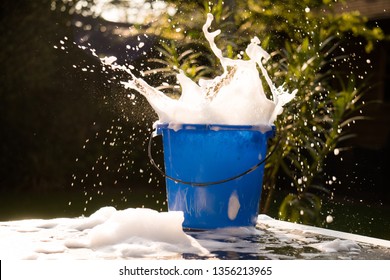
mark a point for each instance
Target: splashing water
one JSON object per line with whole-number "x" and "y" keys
{"x": 236, "y": 97}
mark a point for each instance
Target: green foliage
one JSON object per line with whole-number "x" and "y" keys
{"x": 304, "y": 208}
{"x": 194, "y": 64}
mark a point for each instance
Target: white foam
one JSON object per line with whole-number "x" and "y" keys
{"x": 337, "y": 245}
{"x": 107, "y": 234}
{"x": 137, "y": 232}
{"x": 237, "y": 97}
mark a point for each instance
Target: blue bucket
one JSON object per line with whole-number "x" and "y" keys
{"x": 214, "y": 173}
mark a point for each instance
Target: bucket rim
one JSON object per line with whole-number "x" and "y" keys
{"x": 166, "y": 127}
{"x": 270, "y": 130}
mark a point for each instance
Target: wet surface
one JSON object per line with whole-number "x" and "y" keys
{"x": 66, "y": 238}
{"x": 269, "y": 243}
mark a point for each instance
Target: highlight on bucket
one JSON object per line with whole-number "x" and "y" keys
{"x": 214, "y": 173}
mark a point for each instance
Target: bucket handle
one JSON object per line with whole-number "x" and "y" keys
{"x": 205, "y": 184}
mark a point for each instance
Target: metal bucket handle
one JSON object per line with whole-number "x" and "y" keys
{"x": 205, "y": 184}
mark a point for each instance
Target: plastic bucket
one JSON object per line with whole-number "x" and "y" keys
{"x": 214, "y": 173}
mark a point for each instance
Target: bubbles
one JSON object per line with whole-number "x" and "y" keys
{"x": 114, "y": 173}
{"x": 217, "y": 101}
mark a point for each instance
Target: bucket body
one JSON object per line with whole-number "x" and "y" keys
{"x": 209, "y": 154}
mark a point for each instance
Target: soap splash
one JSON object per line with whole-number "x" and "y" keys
{"x": 236, "y": 97}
